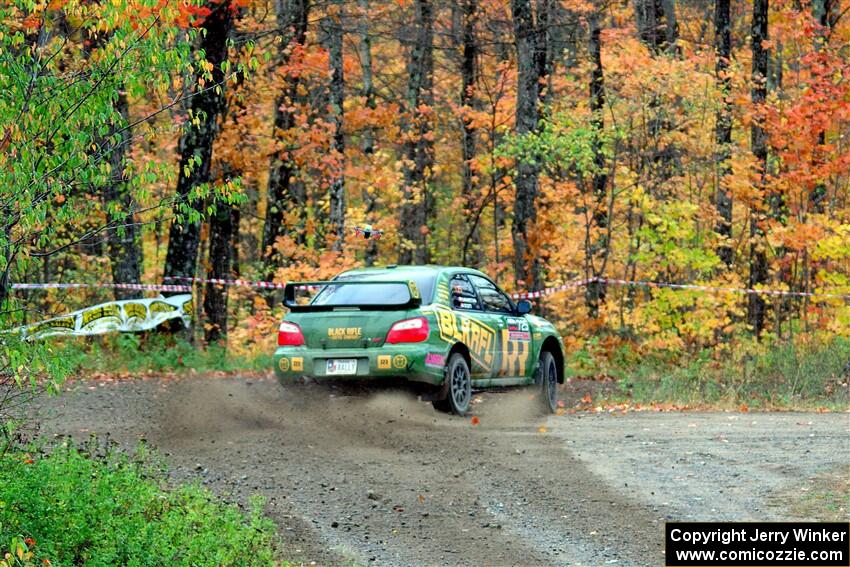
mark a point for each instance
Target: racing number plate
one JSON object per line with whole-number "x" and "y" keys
{"x": 342, "y": 366}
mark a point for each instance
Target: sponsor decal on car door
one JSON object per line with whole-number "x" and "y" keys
{"x": 515, "y": 347}
{"x": 478, "y": 337}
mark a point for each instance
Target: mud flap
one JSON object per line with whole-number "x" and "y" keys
{"x": 439, "y": 393}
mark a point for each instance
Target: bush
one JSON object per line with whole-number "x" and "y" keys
{"x": 154, "y": 352}
{"x": 83, "y": 506}
{"x": 803, "y": 374}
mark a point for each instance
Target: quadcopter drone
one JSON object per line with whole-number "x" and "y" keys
{"x": 368, "y": 232}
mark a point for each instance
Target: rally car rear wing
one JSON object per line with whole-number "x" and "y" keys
{"x": 389, "y": 295}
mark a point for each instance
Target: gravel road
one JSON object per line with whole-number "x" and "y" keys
{"x": 383, "y": 479}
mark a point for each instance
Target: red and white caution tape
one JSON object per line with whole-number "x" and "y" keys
{"x": 153, "y": 287}
{"x": 156, "y": 287}
{"x": 133, "y": 286}
{"x": 658, "y": 285}
{"x": 219, "y": 281}
{"x": 745, "y": 291}
{"x": 551, "y": 290}
{"x": 518, "y": 295}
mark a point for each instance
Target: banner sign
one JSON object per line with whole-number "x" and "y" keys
{"x": 126, "y": 315}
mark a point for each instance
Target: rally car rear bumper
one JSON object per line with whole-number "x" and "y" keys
{"x": 415, "y": 362}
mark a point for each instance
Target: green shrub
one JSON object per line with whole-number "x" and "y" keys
{"x": 781, "y": 374}
{"x": 156, "y": 352}
{"x": 81, "y": 506}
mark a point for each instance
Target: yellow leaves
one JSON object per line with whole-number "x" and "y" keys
{"x": 834, "y": 246}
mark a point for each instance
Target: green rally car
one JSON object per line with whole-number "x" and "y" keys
{"x": 448, "y": 327}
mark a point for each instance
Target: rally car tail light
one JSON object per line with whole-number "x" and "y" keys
{"x": 289, "y": 334}
{"x": 409, "y": 331}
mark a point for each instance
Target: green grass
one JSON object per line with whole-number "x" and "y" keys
{"x": 94, "y": 507}
{"x": 156, "y": 353}
{"x": 780, "y": 376}
{"x": 825, "y": 498}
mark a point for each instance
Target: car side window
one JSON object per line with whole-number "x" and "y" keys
{"x": 493, "y": 298}
{"x": 463, "y": 294}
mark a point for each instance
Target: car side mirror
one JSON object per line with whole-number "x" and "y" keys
{"x": 523, "y": 306}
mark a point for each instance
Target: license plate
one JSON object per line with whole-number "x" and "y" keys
{"x": 342, "y": 367}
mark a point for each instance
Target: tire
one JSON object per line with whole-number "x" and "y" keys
{"x": 547, "y": 381}
{"x": 458, "y": 387}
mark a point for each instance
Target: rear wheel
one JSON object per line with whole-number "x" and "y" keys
{"x": 547, "y": 381}
{"x": 458, "y": 387}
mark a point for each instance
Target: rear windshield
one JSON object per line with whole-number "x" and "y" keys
{"x": 372, "y": 294}
{"x": 376, "y": 294}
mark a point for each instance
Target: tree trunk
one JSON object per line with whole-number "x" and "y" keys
{"x": 657, "y": 26}
{"x": 658, "y": 30}
{"x": 283, "y": 194}
{"x": 223, "y": 226}
{"x": 528, "y": 44}
{"x": 337, "y": 96}
{"x": 543, "y": 59}
{"x": 595, "y": 291}
{"x": 823, "y": 12}
{"x": 196, "y": 144}
{"x": 368, "y": 93}
{"x": 123, "y": 236}
{"x": 418, "y": 148}
{"x": 758, "y": 260}
{"x": 367, "y": 90}
{"x": 224, "y": 230}
{"x": 467, "y": 101}
{"x": 671, "y": 27}
{"x": 723, "y": 126}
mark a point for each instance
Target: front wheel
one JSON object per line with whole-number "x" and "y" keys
{"x": 458, "y": 387}
{"x": 547, "y": 381}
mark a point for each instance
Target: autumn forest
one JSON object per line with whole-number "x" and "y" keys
{"x": 542, "y": 141}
